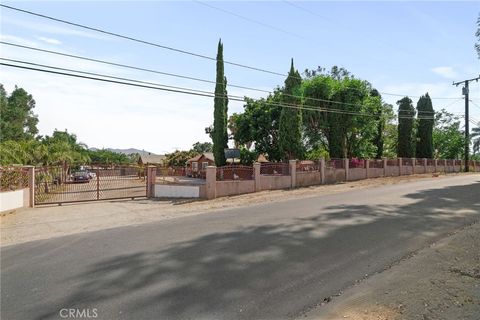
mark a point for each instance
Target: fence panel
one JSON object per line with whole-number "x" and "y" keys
{"x": 335, "y": 164}
{"x": 375, "y": 163}
{"x": 308, "y": 166}
{"x": 357, "y": 163}
{"x": 13, "y": 178}
{"x": 392, "y": 162}
{"x": 275, "y": 168}
{"x": 235, "y": 172}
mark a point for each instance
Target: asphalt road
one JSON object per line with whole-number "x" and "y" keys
{"x": 270, "y": 261}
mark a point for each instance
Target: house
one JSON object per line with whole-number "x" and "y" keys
{"x": 199, "y": 163}
{"x": 152, "y": 159}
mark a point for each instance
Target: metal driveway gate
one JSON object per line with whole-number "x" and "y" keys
{"x": 57, "y": 185}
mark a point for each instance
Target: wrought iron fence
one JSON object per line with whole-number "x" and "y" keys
{"x": 430, "y": 162}
{"x": 275, "y": 168}
{"x": 419, "y": 162}
{"x": 308, "y": 166}
{"x": 392, "y": 162}
{"x": 13, "y": 178}
{"x": 356, "y": 163}
{"x": 235, "y": 172}
{"x": 407, "y": 162}
{"x": 375, "y": 163}
{"x": 335, "y": 164}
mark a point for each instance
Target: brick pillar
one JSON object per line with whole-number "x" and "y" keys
{"x": 424, "y": 165}
{"x": 151, "y": 177}
{"x": 257, "y": 176}
{"x": 347, "y": 168}
{"x": 385, "y": 163}
{"x": 293, "y": 172}
{"x": 400, "y": 166}
{"x": 31, "y": 186}
{"x": 367, "y": 168}
{"x": 322, "y": 170}
{"x": 413, "y": 164}
{"x": 211, "y": 182}
{"x": 435, "y": 163}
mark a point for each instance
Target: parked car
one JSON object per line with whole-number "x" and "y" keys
{"x": 81, "y": 177}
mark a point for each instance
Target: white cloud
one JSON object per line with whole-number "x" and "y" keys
{"x": 446, "y": 72}
{"x": 50, "y": 40}
{"x": 52, "y": 29}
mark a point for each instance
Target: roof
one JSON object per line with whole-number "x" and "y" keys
{"x": 207, "y": 155}
{"x": 152, "y": 158}
{"x": 196, "y": 158}
{"x": 261, "y": 158}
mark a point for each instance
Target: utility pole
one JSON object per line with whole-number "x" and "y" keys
{"x": 467, "y": 118}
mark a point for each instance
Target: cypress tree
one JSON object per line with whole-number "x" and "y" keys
{"x": 406, "y": 113}
{"x": 425, "y": 127}
{"x": 290, "y": 136}
{"x": 378, "y": 139}
{"x": 219, "y": 132}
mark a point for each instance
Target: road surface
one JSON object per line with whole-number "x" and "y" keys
{"x": 268, "y": 261}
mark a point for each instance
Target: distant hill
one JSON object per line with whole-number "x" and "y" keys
{"x": 127, "y": 151}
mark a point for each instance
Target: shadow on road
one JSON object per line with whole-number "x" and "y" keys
{"x": 244, "y": 273}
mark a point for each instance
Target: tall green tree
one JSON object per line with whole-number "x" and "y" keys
{"x": 17, "y": 120}
{"x": 477, "y": 34}
{"x": 425, "y": 116}
{"x": 219, "y": 132}
{"x": 448, "y": 139}
{"x": 258, "y": 125}
{"x": 378, "y": 140}
{"x": 339, "y": 125}
{"x": 201, "y": 147}
{"x": 475, "y": 135}
{"x": 290, "y": 134}
{"x": 406, "y": 114}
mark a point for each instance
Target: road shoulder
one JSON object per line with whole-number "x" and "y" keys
{"x": 441, "y": 281}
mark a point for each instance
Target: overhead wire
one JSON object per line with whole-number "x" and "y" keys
{"x": 130, "y": 38}
{"x": 171, "y": 74}
{"x": 263, "y": 24}
{"x": 151, "y": 85}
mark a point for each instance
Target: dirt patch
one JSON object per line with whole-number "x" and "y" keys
{"x": 53, "y": 221}
{"x": 441, "y": 282}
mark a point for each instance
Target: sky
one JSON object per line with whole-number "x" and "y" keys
{"x": 401, "y": 48}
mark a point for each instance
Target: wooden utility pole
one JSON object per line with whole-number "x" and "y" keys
{"x": 467, "y": 118}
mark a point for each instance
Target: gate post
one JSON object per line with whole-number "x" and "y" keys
{"x": 322, "y": 170}
{"x": 211, "y": 182}
{"x": 293, "y": 173}
{"x": 31, "y": 186}
{"x": 98, "y": 183}
{"x": 151, "y": 176}
{"x": 256, "y": 170}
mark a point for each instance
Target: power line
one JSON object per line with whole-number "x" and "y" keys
{"x": 168, "y": 74}
{"x": 163, "y": 46}
{"x": 151, "y": 85}
{"x": 140, "y": 40}
{"x": 249, "y": 19}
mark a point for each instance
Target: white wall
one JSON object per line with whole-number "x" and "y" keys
{"x": 11, "y": 200}
{"x": 176, "y": 191}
